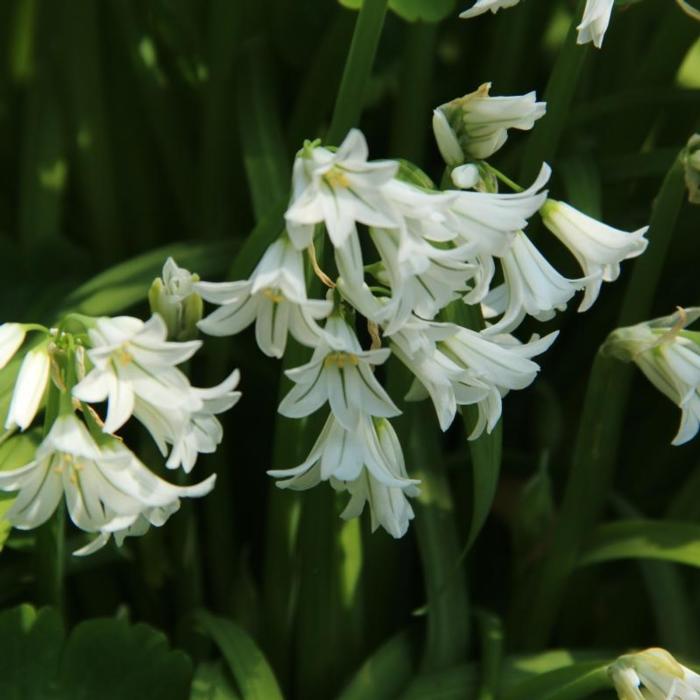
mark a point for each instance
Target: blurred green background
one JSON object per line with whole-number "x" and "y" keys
{"x": 129, "y": 126}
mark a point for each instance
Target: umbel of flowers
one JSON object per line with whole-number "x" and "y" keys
{"x": 402, "y": 258}
{"x": 133, "y": 367}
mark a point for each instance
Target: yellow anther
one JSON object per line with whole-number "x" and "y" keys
{"x": 336, "y": 177}
{"x": 123, "y": 356}
{"x": 340, "y": 359}
{"x": 273, "y": 295}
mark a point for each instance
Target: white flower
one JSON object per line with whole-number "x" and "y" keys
{"x": 653, "y": 674}
{"x": 599, "y": 248}
{"x": 190, "y": 431}
{"x": 132, "y": 359}
{"x": 274, "y": 298}
{"x": 11, "y": 338}
{"x": 594, "y": 23}
{"x": 465, "y": 177}
{"x": 174, "y": 298}
{"x": 423, "y": 280}
{"x": 500, "y": 363}
{"x": 106, "y": 488}
{"x": 670, "y": 359}
{"x": 447, "y": 383}
{"x": 490, "y": 221}
{"x": 532, "y": 286}
{"x": 338, "y": 189}
{"x": 368, "y": 463}
{"x": 339, "y": 373}
{"x": 476, "y": 125}
{"x": 30, "y": 387}
{"x": 481, "y": 6}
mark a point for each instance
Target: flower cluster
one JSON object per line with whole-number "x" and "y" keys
{"x": 594, "y": 23}
{"x": 133, "y": 367}
{"x": 653, "y": 674}
{"x": 402, "y": 262}
{"x": 669, "y": 356}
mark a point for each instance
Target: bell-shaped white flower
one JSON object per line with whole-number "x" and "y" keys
{"x": 190, "y": 431}
{"x": 476, "y": 126}
{"x": 367, "y": 462}
{"x": 669, "y": 357}
{"x": 106, "y": 487}
{"x": 423, "y": 278}
{"x": 338, "y": 189}
{"x": 11, "y": 338}
{"x": 653, "y": 674}
{"x": 436, "y": 375}
{"x": 532, "y": 286}
{"x": 489, "y": 222}
{"x": 174, "y": 299}
{"x": 30, "y": 387}
{"x": 599, "y": 248}
{"x": 339, "y": 373}
{"x": 274, "y": 298}
{"x": 481, "y": 6}
{"x": 500, "y": 363}
{"x": 594, "y": 23}
{"x": 133, "y": 359}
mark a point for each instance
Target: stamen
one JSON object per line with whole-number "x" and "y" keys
{"x": 273, "y": 295}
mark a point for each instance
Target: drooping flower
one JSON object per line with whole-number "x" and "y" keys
{"x": 11, "y": 338}
{"x": 447, "y": 383}
{"x": 499, "y": 362}
{"x": 174, "y": 299}
{"x": 653, "y": 674}
{"x": 107, "y": 489}
{"x": 30, "y": 387}
{"x": 132, "y": 358}
{"x": 368, "y": 463}
{"x": 340, "y": 373}
{"x": 489, "y": 222}
{"x": 481, "y": 6}
{"x": 338, "y": 189}
{"x": 476, "y": 125}
{"x": 193, "y": 429}
{"x": 599, "y": 248}
{"x": 669, "y": 357}
{"x": 532, "y": 286}
{"x": 274, "y": 298}
{"x": 594, "y": 23}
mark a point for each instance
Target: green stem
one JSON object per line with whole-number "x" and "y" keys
{"x": 559, "y": 94}
{"x": 49, "y": 551}
{"x": 412, "y": 115}
{"x": 583, "y": 687}
{"x": 358, "y": 68}
{"x": 492, "y": 644}
{"x": 600, "y": 428}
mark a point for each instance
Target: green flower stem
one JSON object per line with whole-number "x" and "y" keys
{"x": 412, "y": 114}
{"x": 447, "y": 635}
{"x": 600, "y": 428}
{"x": 543, "y": 142}
{"x": 583, "y": 687}
{"x": 358, "y": 68}
{"x": 49, "y": 551}
{"x": 492, "y": 645}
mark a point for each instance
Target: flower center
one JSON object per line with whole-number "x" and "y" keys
{"x": 340, "y": 359}
{"x": 123, "y": 356}
{"x": 336, "y": 177}
{"x": 274, "y": 295}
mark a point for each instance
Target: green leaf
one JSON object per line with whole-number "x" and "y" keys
{"x": 413, "y": 10}
{"x": 126, "y": 284}
{"x": 113, "y": 660}
{"x": 246, "y": 662}
{"x": 644, "y": 539}
{"x": 211, "y": 682}
{"x": 577, "y": 681}
{"x": 30, "y": 646}
{"x": 385, "y": 673}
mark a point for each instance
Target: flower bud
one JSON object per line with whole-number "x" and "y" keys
{"x": 173, "y": 298}
{"x": 11, "y": 338}
{"x": 691, "y": 161}
{"x": 476, "y": 126}
{"x": 30, "y": 387}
